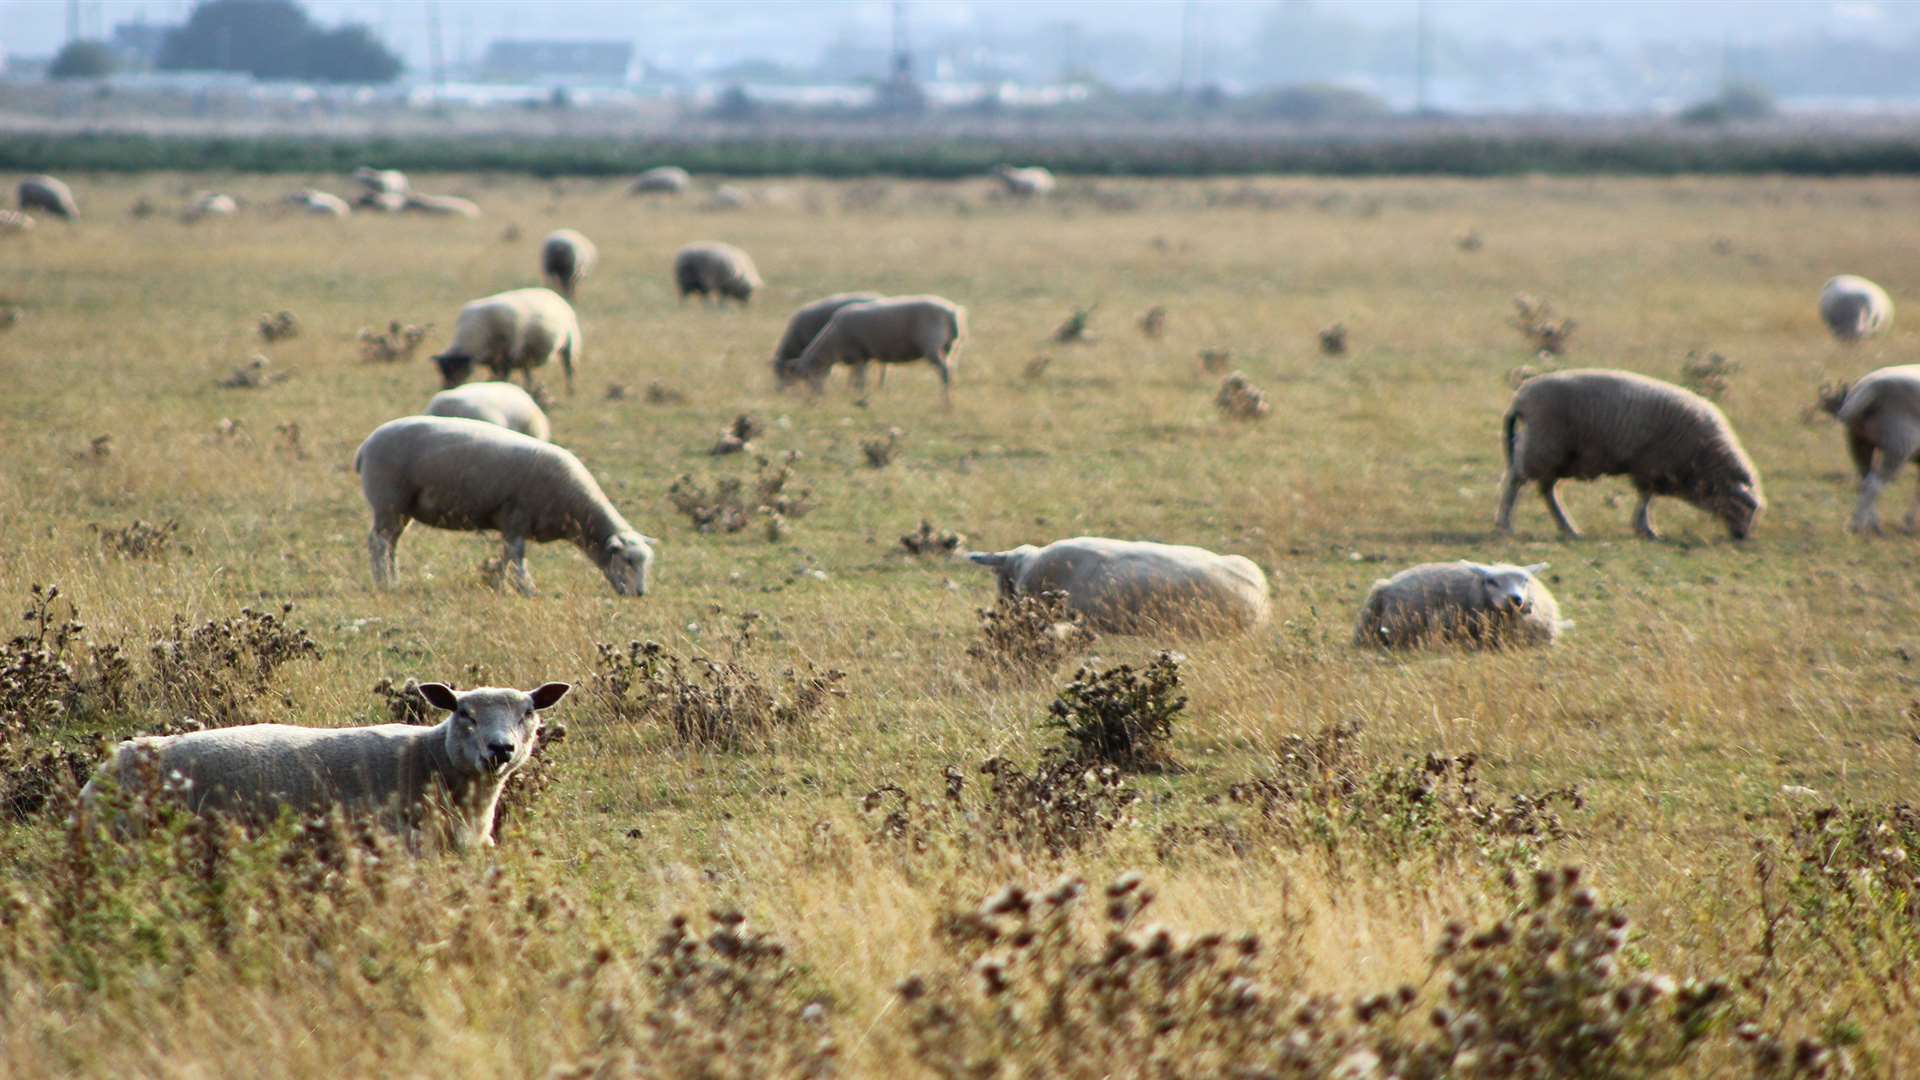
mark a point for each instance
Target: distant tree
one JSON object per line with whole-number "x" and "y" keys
{"x": 275, "y": 39}
{"x": 735, "y": 104}
{"x": 1736, "y": 101}
{"x": 1317, "y": 103}
{"x": 82, "y": 60}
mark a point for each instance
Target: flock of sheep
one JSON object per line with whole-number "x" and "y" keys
{"x": 479, "y": 458}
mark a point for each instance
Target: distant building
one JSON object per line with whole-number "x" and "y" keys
{"x": 581, "y": 62}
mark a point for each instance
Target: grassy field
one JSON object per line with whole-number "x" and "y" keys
{"x": 1703, "y": 686}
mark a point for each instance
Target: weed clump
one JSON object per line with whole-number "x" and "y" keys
{"x": 216, "y": 671}
{"x": 279, "y": 326}
{"x": 1239, "y": 399}
{"x": 1535, "y": 322}
{"x": 140, "y": 539}
{"x": 1215, "y": 361}
{"x": 395, "y": 345}
{"x": 1075, "y": 329}
{"x": 879, "y": 448}
{"x": 926, "y": 540}
{"x": 726, "y": 506}
{"x": 739, "y": 435}
{"x": 1121, "y": 716}
{"x": 659, "y": 393}
{"x": 1333, "y": 340}
{"x": 255, "y": 374}
{"x": 1029, "y": 635}
{"x": 1153, "y": 321}
{"x": 708, "y": 702}
{"x": 1057, "y": 808}
{"x": 1710, "y": 376}
{"x": 50, "y": 675}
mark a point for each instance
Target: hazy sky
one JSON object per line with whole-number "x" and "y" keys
{"x": 696, "y": 33}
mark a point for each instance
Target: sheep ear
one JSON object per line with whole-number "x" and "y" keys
{"x": 651, "y": 541}
{"x": 1536, "y": 568}
{"x": 993, "y": 560}
{"x": 549, "y": 694}
{"x": 440, "y": 695}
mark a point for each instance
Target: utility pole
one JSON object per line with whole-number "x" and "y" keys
{"x": 1420, "y": 101}
{"x": 436, "y": 56}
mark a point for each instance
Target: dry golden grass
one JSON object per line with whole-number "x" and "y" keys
{"x": 1700, "y": 676}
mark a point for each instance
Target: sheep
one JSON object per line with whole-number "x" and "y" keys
{"x": 1133, "y": 587}
{"x": 1854, "y": 308}
{"x": 472, "y": 476}
{"x": 715, "y": 271}
{"x": 499, "y": 403}
{"x": 13, "y": 221}
{"x": 897, "y": 329}
{"x": 1025, "y": 182}
{"x": 1590, "y": 423}
{"x": 441, "y": 205}
{"x": 661, "y": 180}
{"x": 807, "y": 321}
{"x": 430, "y": 785}
{"x": 1465, "y": 602}
{"x": 48, "y": 194}
{"x": 320, "y": 203}
{"x": 381, "y": 181}
{"x": 1881, "y": 413}
{"x": 385, "y": 202}
{"x": 520, "y": 329}
{"x": 211, "y": 204}
{"x": 729, "y": 197}
{"x": 566, "y": 258}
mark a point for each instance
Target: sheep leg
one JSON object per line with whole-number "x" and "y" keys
{"x": 516, "y": 559}
{"x": 1643, "y": 516}
{"x": 858, "y": 376}
{"x": 1509, "y": 491}
{"x": 381, "y": 541}
{"x": 1865, "y": 518}
{"x": 1548, "y": 492}
{"x": 1894, "y": 454}
{"x": 946, "y": 379}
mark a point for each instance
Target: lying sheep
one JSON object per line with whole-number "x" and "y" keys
{"x": 1461, "y": 602}
{"x": 715, "y": 271}
{"x": 1129, "y": 586}
{"x": 566, "y": 258}
{"x": 13, "y": 221}
{"x": 438, "y": 784}
{"x": 1589, "y": 423}
{"x": 499, "y": 403}
{"x": 807, "y": 321}
{"x": 517, "y": 330}
{"x": 472, "y": 476}
{"x": 320, "y": 203}
{"x": 894, "y": 330}
{"x": 48, "y": 194}
{"x": 441, "y": 205}
{"x": 211, "y": 204}
{"x": 1854, "y": 308}
{"x": 381, "y": 181}
{"x": 729, "y": 197}
{"x": 384, "y": 202}
{"x": 661, "y": 180}
{"x": 1882, "y": 416}
{"x": 1025, "y": 182}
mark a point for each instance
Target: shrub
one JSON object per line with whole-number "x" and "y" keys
{"x": 1333, "y": 340}
{"x": 1534, "y": 319}
{"x": 279, "y": 326}
{"x": 707, "y": 702}
{"x": 1851, "y": 891}
{"x": 140, "y": 539}
{"x": 395, "y": 345}
{"x": 82, "y": 60}
{"x": 1029, "y": 635}
{"x": 1120, "y": 716}
{"x": 215, "y": 672}
{"x": 1058, "y": 807}
{"x": 725, "y": 506}
{"x": 1153, "y": 321}
{"x": 1075, "y": 329}
{"x": 1710, "y": 376}
{"x": 926, "y": 540}
{"x": 1239, "y": 399}
{"x": 879, "y": 448}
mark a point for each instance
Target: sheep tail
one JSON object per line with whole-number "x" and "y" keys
{"x": 1513, "y": 419}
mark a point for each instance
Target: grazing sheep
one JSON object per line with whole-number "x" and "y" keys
{"x": 499, "y": 403}
{"x": 1882, "y": 415}
{"x": 442, "y": 205}
{"x": 729, "y": 197}
{"x": 48, "y": 194}
{"x": 211, "y": 204}
{"x": 893, "y": 330}
{"x": 320, "y": 203}
{"x": 472, "y": 476}
{"x": 1129, "y": 586}
{"x": 13, "y": 221}
{"x": 381, "y": 181}
{"x": 715, "y": 271}
{"x": 385, "y": 202}
{"x": 517, "y": 330}
{"x": 807, "y": 321}
{"x": 661, "y": 180}
{"x": 566, "y": 258}
{"x": 1025, "y": 182}
{"x": 1464, "y": 602}
{"x": 1590, "y": 423}
{"x": 438, "y": 784}
{"x": 1854, "y": 308}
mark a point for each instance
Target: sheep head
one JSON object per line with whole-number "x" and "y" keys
{"x": 455, "y": 368}
{"x": 492, "y": 730}
{"x": 1506, "y": 590}
{"x": 627, "y": 561}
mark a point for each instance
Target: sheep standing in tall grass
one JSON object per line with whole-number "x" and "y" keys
{"x": 50, "y": 195}
{"x": 715, "y": 271}
{"x": 1137, "y": 587}
{"x": 894, "y": 330}
{"x": 1854, "y": 308}
{"x": 1882, "y": 417}
{"x": 437, "y": 785}
{"x": 1587, "y": 423}
{"x": 1460, "y": 602}
{"x": 566, "y": 258}
{"x": 472, "y": 476}
{"x": 517, "y": 330}
{"x": 500, "y": 403}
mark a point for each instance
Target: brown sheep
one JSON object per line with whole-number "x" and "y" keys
{"x": 715, "y": 271}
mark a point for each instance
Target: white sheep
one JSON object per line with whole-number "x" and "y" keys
{"x": 807, "y": 321}
{"x": 1462, "y": 602}
{"x": 1854, "y": 308}
{"x": 320, "y": 203}
{"x": 437, "y": 785}
{"x": 441, "y": 205}
{"x": 517, "y": 330}
{"x": 211, "y": 204}
{"x": 472, "y": 476}
{"x": 892, "y": 330}
{"x": 13, "y": 221}
{"x": 715, "y": 271}
{"x": 1026, "y": 182}
{"x": 1882, "y": 416}
{"x": 566, "y": 258}
{"x": 661, "y": 180}
{"x": 381, "y": 181}
{"x": 48, "y": 194}
{"x": 499, "y": 403}
{"x": 1132, "y": 586}
{"x": 384, "y": 202}
{"x": 730, "y": 197}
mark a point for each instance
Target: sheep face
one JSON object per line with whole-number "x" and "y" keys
{"x": 492, "y": 730}
{"x": 629, "y": 564}
{"x": 1737, "y": 505}
{"x": 1506, "y": 593}
{"x": 455, "y": 368}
